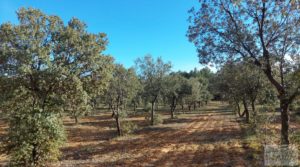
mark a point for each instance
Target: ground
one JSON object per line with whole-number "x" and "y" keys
{"x": 211, "y": 136}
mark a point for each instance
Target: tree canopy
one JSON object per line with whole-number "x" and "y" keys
{"x": 262, "y": 32}
{"x": 44, "y": 63}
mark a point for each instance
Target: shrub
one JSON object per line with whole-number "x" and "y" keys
{"x": 147, "y": 108}
{"x": 267, "y": 108}
{"x": 123, "y": 114}
{"x": 34, "y": 137}
{"x": 128, "y": 127}
{"x": 157, "y": 118}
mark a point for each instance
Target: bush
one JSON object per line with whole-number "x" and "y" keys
{"x": 34, "y": 138}
{"x": 128, "y": 127}
{"x": 157, "y": 118}
{"x": 123, "y": 114}
{"x": 147, "y": 108}
{"x": 267, "y": 108}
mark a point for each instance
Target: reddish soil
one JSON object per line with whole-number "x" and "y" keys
{"x": 209, "y": 137}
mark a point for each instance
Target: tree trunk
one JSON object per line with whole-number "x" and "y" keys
{"x": 112, "y": 112}
{"x": 194, "y": 105}
{"x": 173, "y": 107}
{"x": 116, "y": 115}
{"x": 284, "y": 122}
{"x": 118, "y": 125}
{"x": 189, "y": 107}
{"x": 253, "y": 106}
{"x": 134, "y": 107}
{"x": 34, "y": 155}
{"x": 152, "y": 113}
{"x": 172, "y": 113}
{"x": 254, "y": 112}
{"x": 246, "y": 110}
{"x": 93, "y": 101}
{"x": 76, "y": 119}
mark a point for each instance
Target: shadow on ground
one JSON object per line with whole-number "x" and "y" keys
{"x": 207, "y": 138}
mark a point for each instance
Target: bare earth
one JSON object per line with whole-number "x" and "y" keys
{"x": 209, "y": 137}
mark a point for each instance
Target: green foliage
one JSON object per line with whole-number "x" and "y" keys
{"x": 152, "y": 73}
{"x": 174, "y": 90}
{"x": 47, "y": 66}
{"x": 128, "y": 127}
{"x": 195, "y": 89}
{"x": 267, "y": 108}
{"x": 157, "y": 118}
{"x": 76, "y": 100}
{"x": 203, "y": 76}
{"x": 123, "y": 114}
{"x": 123, "y": 87}
{"x": 147, "y": 108}
{"x": 34, "y": 137}
{"x": 253, "y": 32}
{"x": 203, "y": 73}
{"x": 295, "y": 106}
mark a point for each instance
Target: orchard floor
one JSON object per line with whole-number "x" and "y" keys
{"x": 211, "y": 136}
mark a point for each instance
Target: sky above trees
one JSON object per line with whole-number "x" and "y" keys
{"x": 134, "y": 27}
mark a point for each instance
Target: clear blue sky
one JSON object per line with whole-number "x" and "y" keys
{"x": 134, "y": 27}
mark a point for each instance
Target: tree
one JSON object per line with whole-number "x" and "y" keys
{"x": 194, "y": 93}
{"x": 123, "y": 87}
{"x": 204, "y": 76}
{"x": 185, "y": 90}
{"x": 151, "y": 73}
{"x": 205, "y": 95}
{"x": 240, "y": 82}
{"x": 137, "y": 99}
{"x": 76, "y": 99}
{"x": 173, "y": 90}
{"x": 263, "y": 32}
{"x": 39, "y": 57}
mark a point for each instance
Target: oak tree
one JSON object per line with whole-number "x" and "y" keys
{"x": 265, "y": 32}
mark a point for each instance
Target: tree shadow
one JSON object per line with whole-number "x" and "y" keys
{"x": 177, "y": 121}
{"x": 84, "y": 135}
